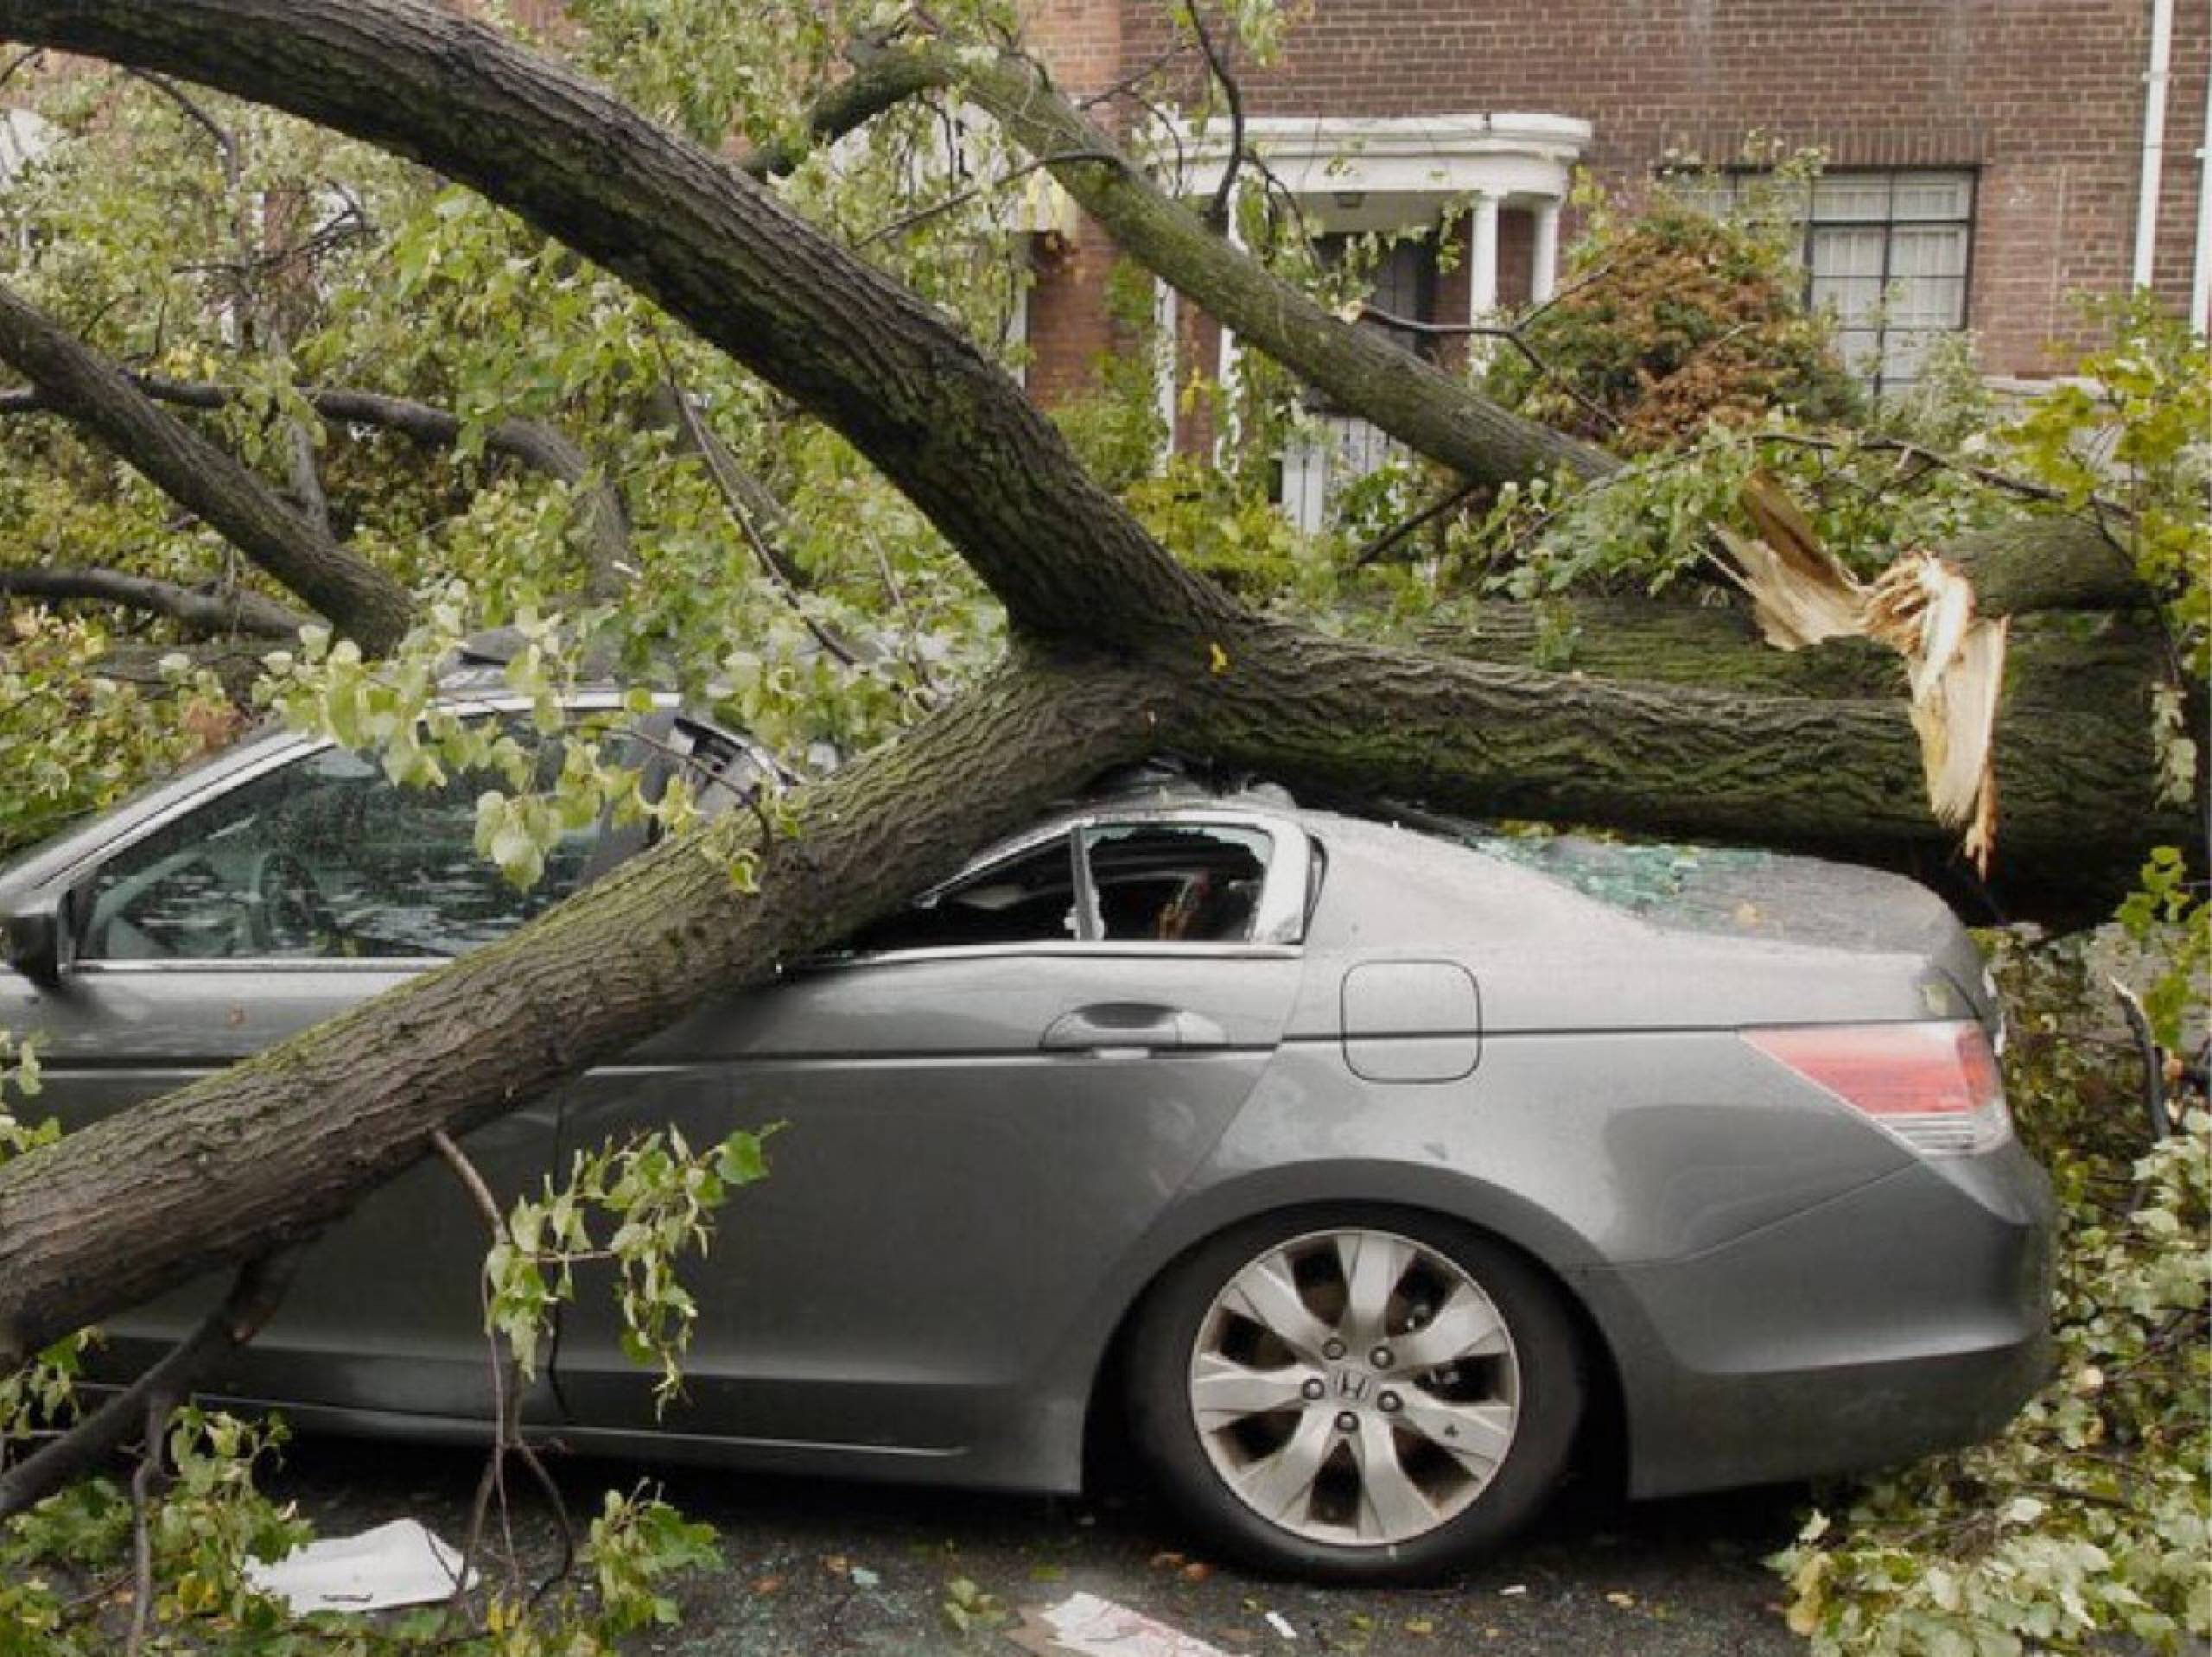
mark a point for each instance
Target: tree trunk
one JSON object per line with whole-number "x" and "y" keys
{"x": 2103, "y": 665}
{"x": 2076, "y": 786}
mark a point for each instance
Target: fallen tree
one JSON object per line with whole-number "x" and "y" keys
{"x": 1120, "y": 650}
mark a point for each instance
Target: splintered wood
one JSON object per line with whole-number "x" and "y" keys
{"x": 1921, "y": 608}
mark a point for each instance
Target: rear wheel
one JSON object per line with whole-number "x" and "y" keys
{"x": 1354, "y": 1395}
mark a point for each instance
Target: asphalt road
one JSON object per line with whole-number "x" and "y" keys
{"x": 814, "y": 1568}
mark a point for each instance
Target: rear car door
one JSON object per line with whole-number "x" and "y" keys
{"x": 987, "y": 1100}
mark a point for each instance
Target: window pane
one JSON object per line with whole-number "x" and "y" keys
{"x": 1846, "y": 196}
{"x": 1933, "y": 195}
{"x": 1847, "y": 253}
{"x": 1928, "y": 251}
{"x": 1180, "y": 882}
{"x": 1904, "y": 352}
{"x": 1711, "y": 194}
{"x": 1861, "y": 350}
{"x": 1928, "y": 302}
{"x": 322, "y": 858}
{"x": 1028, "y": 899}
{"x": 1854, "y": 299}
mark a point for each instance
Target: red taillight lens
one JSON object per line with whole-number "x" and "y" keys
{"x": 1935, "y": 1086}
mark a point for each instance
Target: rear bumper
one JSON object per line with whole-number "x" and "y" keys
{"x": 1909, "y": 1316}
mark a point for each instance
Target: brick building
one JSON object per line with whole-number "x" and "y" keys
{"x": 1984, "y": 158}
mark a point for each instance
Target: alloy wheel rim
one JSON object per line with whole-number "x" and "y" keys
{"x": 1355, "y": 1386}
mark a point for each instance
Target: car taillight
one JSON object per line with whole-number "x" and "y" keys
{"x": 1935, "y": 1086}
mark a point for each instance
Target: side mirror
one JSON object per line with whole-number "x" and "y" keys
{"x": 37, "y": 939}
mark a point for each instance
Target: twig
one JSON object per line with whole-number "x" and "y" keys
{"x": 914, "y": 659}
{"x": 506, "y": 1407}
{"x": 225, "y": 143}
{"x": 21, "y": 60}
{"x": 1127, "y": 84}
{"x": 142, "y": 1480}
{"x": 1582, "y": 283}
{"x": 1224, "y": 193}
{"x": 2027, "y": 488}
{"x": 722, "y": 469}
{"x": 2146, "y": 1048}
{"x": 908, "y": 220}
{"x": 1436, "y": 509}
{"x": 1512, "y": 336}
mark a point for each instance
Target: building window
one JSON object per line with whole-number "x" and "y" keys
{"x": 1886, "y": 252}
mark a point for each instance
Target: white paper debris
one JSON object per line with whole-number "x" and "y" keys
{"x": 1084, "y": 1625}
{"x": 1280, "y": 1624}
{"x": 398, "y": 1563}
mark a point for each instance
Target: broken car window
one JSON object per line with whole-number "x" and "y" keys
{"x": 1186, "y": 883}
{"x": 1029, "y": 899}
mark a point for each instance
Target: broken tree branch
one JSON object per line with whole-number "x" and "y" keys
{"x": 528, "y": 442}
{"x": 76, "y": 382}
{"x": 253, "y": 1299}
{"x": 748, "y": 505}
{"x": 506, "y": 1404}
{"x": 209, "y": 614}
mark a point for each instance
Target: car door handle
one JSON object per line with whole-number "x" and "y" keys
{"x": 1130, "y": 1028}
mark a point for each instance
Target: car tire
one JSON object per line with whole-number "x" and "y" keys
{"x": 1284, "y": 1392}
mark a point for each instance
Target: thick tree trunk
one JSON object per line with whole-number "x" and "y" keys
{"x": 2076, "y": 782}
{"x": 2101, "y": 665}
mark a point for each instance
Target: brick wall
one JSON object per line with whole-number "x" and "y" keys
{"x": 2043, "y": 97}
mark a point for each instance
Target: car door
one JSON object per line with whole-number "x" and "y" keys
{"x": 984, "y": 1102}
{"x": 301, "y": 883}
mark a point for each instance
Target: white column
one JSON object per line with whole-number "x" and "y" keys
{"x": 1167, "y": 364}
{"x": 1225, "y": 438}
{"x": 2200, "y": 283}
{"x": 1543, "y": 268}
{"x": 2154, "y": 140}
{"x": 1482, "y": 272}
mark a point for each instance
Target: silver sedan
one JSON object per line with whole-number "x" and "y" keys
{"x": 1351, "y": 1172}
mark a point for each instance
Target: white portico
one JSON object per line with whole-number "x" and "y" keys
{"x": 1355, "y": 175}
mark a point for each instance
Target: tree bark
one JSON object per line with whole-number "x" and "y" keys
{"x": 359, "y": 599}
{"x": 2077, "y": 787}
{"x": 2103, "y": 665}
